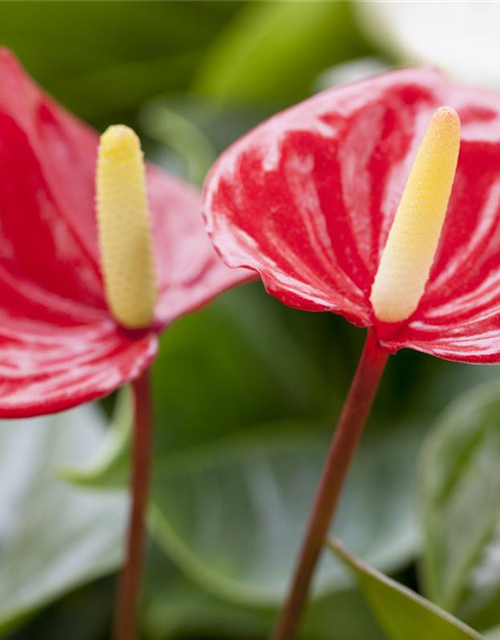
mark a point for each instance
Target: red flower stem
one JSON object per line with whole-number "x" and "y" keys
{"x": 126, "y": 613}
{"x": 347, "y": 435}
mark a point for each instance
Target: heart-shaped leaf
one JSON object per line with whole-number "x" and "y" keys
{"x": 219, "y": 475}
{"x": 232, "y": 513}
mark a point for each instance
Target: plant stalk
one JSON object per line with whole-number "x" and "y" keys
{"x": 126, "y": 612}
{"x": 347, "y": 435}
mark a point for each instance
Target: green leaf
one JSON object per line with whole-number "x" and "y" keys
{"x": 227, "y": 488}
{"x": 246, "y": 396}
{"x": 255, "y": 407}
{"x": 459, "y": 492}
{"x": 53, "y": 536}
{"x": 272, "y": 51}
{"x": 231, "y": 513}
{"x": 227, "y": 433}
{"x": 403, "y": 614}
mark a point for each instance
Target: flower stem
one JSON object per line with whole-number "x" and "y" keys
{"x": 345, "y": 440}
{"x": 125, "y": 622}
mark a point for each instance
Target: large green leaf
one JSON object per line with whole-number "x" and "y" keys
{"x": 247, "y": 361}
{"x": 403, "y": 614}
{"x": 460, "y": 506}
{"x": 231, "y": 513}
{"x": 53, "y": 536}
{"x": 242, "y": 435}
{"x": 239, "y": 448}
{"x": 230, "y": 499}
{"x": 272, "y": 51}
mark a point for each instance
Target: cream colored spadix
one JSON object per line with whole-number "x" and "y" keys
{"x": 413, "y": 239}
{"x": 124, "y": 224}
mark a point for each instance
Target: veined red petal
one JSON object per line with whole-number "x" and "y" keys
{"x": 36, "y": 376}
{"x": 58, "y": 343}
{"x": 308, "y": 197}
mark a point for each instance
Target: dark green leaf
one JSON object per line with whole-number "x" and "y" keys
{"x": 403, "y": 614}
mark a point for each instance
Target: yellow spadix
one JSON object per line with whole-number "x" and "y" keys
{"x": 124, "y": 224}
{"x": 413, "y": 239}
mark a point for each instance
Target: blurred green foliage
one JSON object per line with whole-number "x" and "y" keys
{"x": 103, "y": 60}
{"x": 460, "y": 511}
{"x": 246, "y": 390}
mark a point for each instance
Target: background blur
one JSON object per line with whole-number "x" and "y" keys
{"x": 247, "y": 390}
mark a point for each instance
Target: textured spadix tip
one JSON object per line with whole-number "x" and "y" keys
{"x": 119, "y": 141}
{"x": 413, "y": 239}
{"x": 124, "y": 225}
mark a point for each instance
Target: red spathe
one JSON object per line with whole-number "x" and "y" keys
{"x": 59, "y": 346}
{"x": 308, "y": 197}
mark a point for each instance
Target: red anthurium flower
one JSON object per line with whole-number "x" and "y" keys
{"x": 307, "y": 199}
{"x": 59, "y": 345}
{"x": 339, "y": 204}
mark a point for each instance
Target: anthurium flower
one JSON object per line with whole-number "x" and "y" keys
{"x": 379, "y": 201}
{"x": 308, "y": 198}
{"x": 59, "y": 343}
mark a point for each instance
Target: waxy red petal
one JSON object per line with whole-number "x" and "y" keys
{"x": 58, "y": 344}
{"x": 308, "y": 197}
